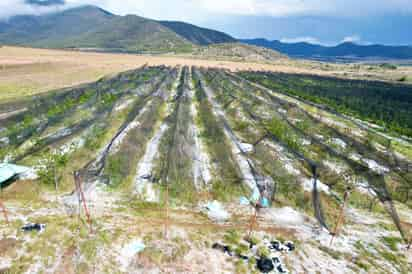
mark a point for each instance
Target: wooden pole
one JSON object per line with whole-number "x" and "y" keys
{"x": 3, "y": 208}
{"x": 82, "y": 199}
{"x": 253, "y": 220}
{"x": 340, "y": 218}
{"x": 167, "y": 212}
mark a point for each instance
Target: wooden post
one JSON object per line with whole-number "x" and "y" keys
{"x": 253, "y": 220}
{"x": 340, "y": 218}
{"x": 167, "y": 212}
{"x": 82, "y": 198}
{"x": 55, "y": 175}
{"x": 3, "y": 208}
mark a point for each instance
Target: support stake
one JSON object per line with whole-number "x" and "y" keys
{"x": 82, "y": 199}
{"x": 3, "y": 208}
{"x": 340, "y": 218}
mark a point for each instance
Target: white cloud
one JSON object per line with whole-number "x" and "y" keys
{"x": 307, "y": 39}
{"x": 306, "y": 7}
{"x": 186, "y": 9}
{"x": 351, "y": 39}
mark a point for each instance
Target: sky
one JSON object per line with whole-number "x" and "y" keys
{"x": 317, "y": 21}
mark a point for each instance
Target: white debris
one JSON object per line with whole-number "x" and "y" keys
{"x": 319, "y": 136}
{"x": 5, "y": 140}
{"x": 144, "y": 169}
{"x": 355, "y": 156}
{"x": 372, "y": 164}
{"x": 246, "y": 148}
{"x": 123, "y": 105}
{"x": 363, "y": 187}
{"x": 291, "y": 169}
{"x": 339, "y": 142}
{"x": 283, "y": 216}
{"x": 308, "y": 186}
{"x": 128, "y": 252}
{"x": 30, "y": 174}
{"x": 61, "y": 133}
{"x": 283, "y": 111}
{"x": 71, "y": 146}
{"x": 334, "y": 166}
{"x": 216, "y": 212}
{"x": 305, "y": 142}
{"x": 288, "y": 162}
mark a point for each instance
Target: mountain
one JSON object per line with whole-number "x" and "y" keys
{"x": 93, "y": 27}
{"x": 344, "y": 50}
{"x": 197, "y": 35}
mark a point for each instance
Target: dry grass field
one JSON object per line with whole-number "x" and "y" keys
{"x": 28, "y": 71}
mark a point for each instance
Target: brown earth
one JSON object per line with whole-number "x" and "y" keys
{"x": 28, "y": 71}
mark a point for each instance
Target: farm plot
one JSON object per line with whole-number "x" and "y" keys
{"x": 179, "y": 162}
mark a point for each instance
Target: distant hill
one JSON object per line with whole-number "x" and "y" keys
{"x": 344, "y": 50}
{"x": 93, "y": 27}
{"x": 197, "y": 35}
{"x": 237, "y": 51}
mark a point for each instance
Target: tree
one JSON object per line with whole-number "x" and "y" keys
{"x": 51, "y": 168}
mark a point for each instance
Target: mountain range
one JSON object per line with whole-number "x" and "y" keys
{"x": 344, "y": 50}
{"x": 90, "y": 27}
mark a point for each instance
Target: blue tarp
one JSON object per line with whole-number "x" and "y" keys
{"x": 255, "y": 198}
{"x": 8, "y": 171}
{"x": 264, "y": 202}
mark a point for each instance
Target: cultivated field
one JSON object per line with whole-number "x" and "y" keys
{"x": 155, "y": 145}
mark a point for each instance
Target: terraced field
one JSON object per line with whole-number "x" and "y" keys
{"x": 152, "y": 146}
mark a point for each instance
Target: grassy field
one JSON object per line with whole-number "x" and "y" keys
{"x": 28, "y": 71}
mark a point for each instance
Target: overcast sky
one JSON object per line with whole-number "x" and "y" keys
{"x": 317, "y": 21}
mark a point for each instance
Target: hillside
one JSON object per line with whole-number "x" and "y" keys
{"x": 90, "y": 27}
{"x": 237, "y": 51}
{"x": 197, "y": 35}
{"x": 344, "y": 50}
{"x": 50, "y": 29}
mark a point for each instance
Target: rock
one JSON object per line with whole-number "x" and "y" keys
{"x": 275, "y": 245}
{"x": 276, "y": 261}
{"x": 265, "y": 265}
{"x": 33, "y": 227}
{"x": 146, "y": 176}
{"x": 243, "y": 257}
{"x": 280, "y": 269}
{"x": 224, "y": 248}
{"x": 290, "y": 245}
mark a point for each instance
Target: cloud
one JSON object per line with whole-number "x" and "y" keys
{"x": 22, "y": 7}
{"x": 205, "y": 9}
{"x": 306, "y": 7}
{"x": 351, "y": 39}
{"x": 306, "y": 39}
{"x": 45, "y": 2}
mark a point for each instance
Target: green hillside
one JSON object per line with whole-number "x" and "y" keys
{"x": 95, "y": 28}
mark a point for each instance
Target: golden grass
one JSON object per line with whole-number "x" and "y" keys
{"x": 28, "y": 71}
